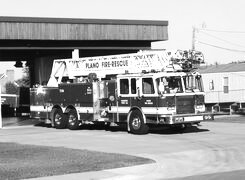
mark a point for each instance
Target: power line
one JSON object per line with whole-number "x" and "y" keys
{"x": 221, "y": 39}
{"x": 224, "y": 31}
{"x": 234, "y": 50}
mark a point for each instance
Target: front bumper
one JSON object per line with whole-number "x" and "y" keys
{"x": 186, "y": 118}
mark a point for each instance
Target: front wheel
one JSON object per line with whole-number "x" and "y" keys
{"x": 136, "y": 123}
{"x": 73, "y": 122}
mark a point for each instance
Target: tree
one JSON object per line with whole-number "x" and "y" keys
{"x": 25, "y": 80}
{"x": 11, "y": 88}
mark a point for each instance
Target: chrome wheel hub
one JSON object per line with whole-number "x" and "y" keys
{"x": 57, "y": 119}
{"x": 72, "y": 120}
{"x": 136, "y": 123}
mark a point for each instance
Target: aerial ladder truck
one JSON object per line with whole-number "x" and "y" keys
{"x": 150, "y": 87}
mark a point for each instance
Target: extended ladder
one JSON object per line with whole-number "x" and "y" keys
{"x": 157, "y": 60}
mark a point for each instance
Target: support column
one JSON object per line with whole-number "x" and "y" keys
{"x": 1, "y": 119}
{"x": 75, "y": 54}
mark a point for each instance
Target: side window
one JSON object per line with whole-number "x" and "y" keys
{"x": 226, "y": 85}
{"x": 124, "y": 86}
{"x": 133, "y": 86}
{"x": 211, "y": 85}
{"x": 148, "y": 86}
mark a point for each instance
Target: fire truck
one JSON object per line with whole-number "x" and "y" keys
{"x": 150, "y": 87}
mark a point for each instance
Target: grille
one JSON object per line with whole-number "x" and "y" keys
{"x": 185, "y": 104}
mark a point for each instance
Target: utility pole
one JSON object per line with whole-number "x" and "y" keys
{"x": 193, "y": 38}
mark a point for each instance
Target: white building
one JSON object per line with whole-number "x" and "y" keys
{"x": 10, "y": 76}
{"x": 224, "y": 84}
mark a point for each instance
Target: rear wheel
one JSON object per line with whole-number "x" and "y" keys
{"x": 73, "y": 122}
{"x": 136, "y": 123}
{"x": 59, "y": 119}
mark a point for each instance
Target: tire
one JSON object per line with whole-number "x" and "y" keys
{"x": 107, "y": 126}
{"x": 136, "y": 123}
{"x": 73, "y": 122}
{"x": 59, "y": 119}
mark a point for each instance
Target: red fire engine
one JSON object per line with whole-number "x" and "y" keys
{"x": 149, "y": 87}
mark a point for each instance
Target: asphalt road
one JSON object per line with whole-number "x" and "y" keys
{"x": 214, "y": 150}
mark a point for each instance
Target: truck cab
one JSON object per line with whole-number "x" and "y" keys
{"x": 162, "y": 98}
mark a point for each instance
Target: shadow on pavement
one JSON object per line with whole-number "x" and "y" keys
{"x": 152, "y": 130}
{"x": 24, "y": 121}
{"x": 163, "y": 130}
{"x": 169, "y": 131}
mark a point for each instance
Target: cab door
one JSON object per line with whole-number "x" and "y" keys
{"x": 147, "y": 97}
{"x": 136, "y": 93}
{"x": 124, "y": 100}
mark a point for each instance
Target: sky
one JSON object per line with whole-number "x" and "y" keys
{"x": 18, "y": 72}
{"x": 219, "y": 24}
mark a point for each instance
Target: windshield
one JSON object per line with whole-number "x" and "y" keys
{"x": 169, "y": 85}
{"x": 193, "y": 83}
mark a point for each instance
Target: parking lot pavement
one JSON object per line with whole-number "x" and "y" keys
{"x": 235, "y": 118}
{"x": 24, "y": 121}
{"x": 213, "y": 147}
{"x": 18, "y": 121}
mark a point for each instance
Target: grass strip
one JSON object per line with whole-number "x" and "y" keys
{"x": 19, "y": 161}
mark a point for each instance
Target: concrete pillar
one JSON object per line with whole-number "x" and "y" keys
{"x": 1, "y": 119}
{"x": 75, "y": 54}
{"x": 42, "y": 70}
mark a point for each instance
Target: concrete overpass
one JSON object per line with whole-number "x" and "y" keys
{"x": 40, "y": 40}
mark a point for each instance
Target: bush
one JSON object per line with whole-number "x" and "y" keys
{"x": 11, "y": 88}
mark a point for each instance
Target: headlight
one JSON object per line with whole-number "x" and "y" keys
{"x": 199, "y": 100}
{"x": 199, "y": 106}
{"x": 179, "y": 119}
{"x": 170, "y": 108}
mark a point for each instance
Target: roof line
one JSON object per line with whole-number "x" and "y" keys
{"x": 80, "y": 21}
{"x": 223, "y": 68}
{"x": 221, "y": 72}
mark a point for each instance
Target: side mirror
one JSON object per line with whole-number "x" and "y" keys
{"x": 138, "y": 93}
{"x": 161, "y": 87}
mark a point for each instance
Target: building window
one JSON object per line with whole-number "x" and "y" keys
{"x": 211, "y": 85}
{"x": 226, "y": 85}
